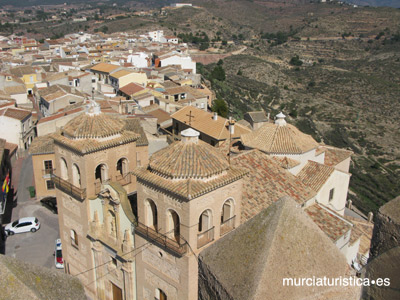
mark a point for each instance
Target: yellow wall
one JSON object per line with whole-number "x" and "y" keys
{"x": 139, "y": 78}
{"x": 16, "y": 51}
{"x": 27, "y": 80}
{"x": 40, "y": 176}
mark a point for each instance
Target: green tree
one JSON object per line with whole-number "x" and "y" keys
{"x": 218, "y": 73}
{"x": 204, "y": 46}
{"x": 296, "y": 61}
{"x": 220, "y": 107}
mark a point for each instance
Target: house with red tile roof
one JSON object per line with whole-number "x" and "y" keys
{"x": 57, "y": 97}
{"x": 17, "y": 127}
{"x": 213, "y": 129}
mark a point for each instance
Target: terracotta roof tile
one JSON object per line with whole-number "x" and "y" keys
{"x": 23, "y": 70}
{"x": 273, "y": 138}
{"x": 188, "y": 160}
{"x": 14, "y": 113}
{"x": 161, "y": 115}
{"x": 97, "y": 126}
{"x": 87, "y": 133}
{"x": 16, "y": 89}
{"x": 188, "y": 188}
{"x": 315, "y": 174}
{"x": 60, "y": 115}
{"x": 133, "y": 124}
{"x": 120, "y": 73}
{"x": 188, "y": 169}
{"x": 287, "y": 162}
{"x": 266, "y": 182}
{"x": 203, "y": 122}
{"x": 42, "y": 145}
{"x": 333, "y": 226}
{"x": 56, "y": 91}
{"x": 334, "y": 156}
{"x": 85, "y": 146}
{"x": 362, "y": 230}
{"x": 257, "y": 116}
{"x": 131, "y": 88}
{"x": 104, "y": 67}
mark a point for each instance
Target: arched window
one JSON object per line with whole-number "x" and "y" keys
{"x": 76, "y": 175}
{"x": 174, "y": 230}
{"x": 151, "y": 215}
{"x": 206, "y": 229}
{"x": 63, "y": 169}
{"x": 205, "y": 220}
{"x": 101, "y": 172}
{"x": 227, "y": 217}
{"x": 112, "y": 224}
{"x": 227, "y": 211}
{"x": 74, "y": 238}
{"x": 122, "y": 166}
{"x": 160, "y": 295}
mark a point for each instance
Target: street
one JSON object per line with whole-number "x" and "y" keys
{"x": 36, "y": 248}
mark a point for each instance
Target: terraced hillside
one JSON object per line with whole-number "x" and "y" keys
{"x": 334, "y": 69}
{"x": 342, "y": 94}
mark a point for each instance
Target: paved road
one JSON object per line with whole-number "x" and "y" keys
{"x": 38, "y": 247}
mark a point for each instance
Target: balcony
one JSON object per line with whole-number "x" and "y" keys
{"x": 124, "y": 179}
{"x": 161, "y": 239}
{"x": 69, "y": 188}
{"x": 47, "y": 172}
{"x": 227, "y": 225}
{"x": 97, "y": 185}
{"x": 205, "y": 237}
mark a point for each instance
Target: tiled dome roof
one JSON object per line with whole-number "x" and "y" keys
{"x": 190, "y": 159}
{"x": 198, "y": 167}
{"x": 275, "y": 138}
{"x": 93, "y": 126}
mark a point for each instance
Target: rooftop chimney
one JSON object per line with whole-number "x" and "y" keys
{"x": 215, "y": 116}
{"x": 231, "y": 126}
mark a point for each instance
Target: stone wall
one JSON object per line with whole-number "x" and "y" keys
{"x": 386, "y": 233}
{"x": 209, "y": 287}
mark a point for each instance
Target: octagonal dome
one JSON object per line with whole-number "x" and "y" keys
{"x": 93, "y": 126}
{"x": 188, "y": 159}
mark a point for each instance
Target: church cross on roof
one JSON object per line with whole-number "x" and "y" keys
{"x": 190, "y": 117}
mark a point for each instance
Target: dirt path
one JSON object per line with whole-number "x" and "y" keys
{"x": 206, "y": 58}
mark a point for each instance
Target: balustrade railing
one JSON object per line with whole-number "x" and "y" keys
{"x": 227, "y": 225}
{"x": 48, "y": 171}
{"x": 163, "y": 240}
{"x": 123, "y": 179}
{"x": 205, "y": 237}
{"x": 69, "y": 188}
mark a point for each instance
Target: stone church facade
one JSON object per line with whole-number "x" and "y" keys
{"x": 188, "y": 198}
{"x": 93, "y": 153}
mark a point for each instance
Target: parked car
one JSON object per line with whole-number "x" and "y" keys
{"x": 50, "y": 203}
{"x": 58, "y": 259}
{"x": 23, "y": 225}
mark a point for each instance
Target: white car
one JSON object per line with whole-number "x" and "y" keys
{"x": 23, "y": 225}
{"x": 58, "y": 259}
